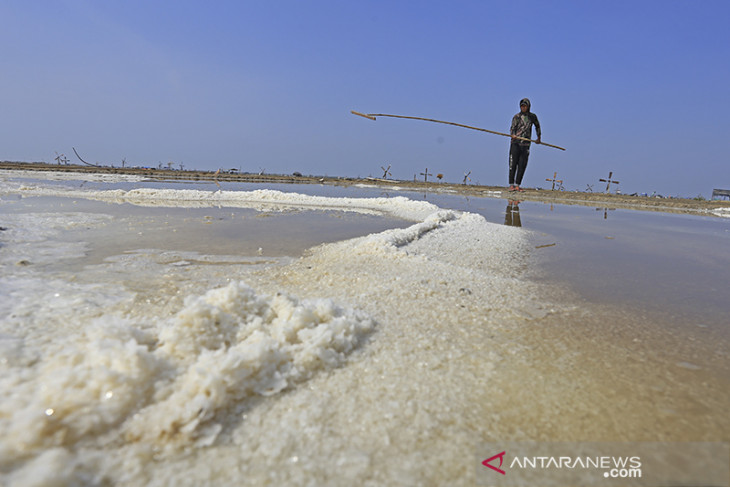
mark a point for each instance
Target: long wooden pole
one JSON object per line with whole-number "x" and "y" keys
{"x": 77, "y": 155}
{"x": 372, "y": 116}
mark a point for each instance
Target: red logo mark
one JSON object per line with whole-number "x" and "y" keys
{"x": 501, "y": 458}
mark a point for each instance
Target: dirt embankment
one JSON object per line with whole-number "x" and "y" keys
{"x": 678, "y": 205}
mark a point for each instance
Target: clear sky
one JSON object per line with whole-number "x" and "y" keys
{"x": 640, "y": 88}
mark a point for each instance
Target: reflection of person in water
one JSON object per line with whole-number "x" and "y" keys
{"x": 512, "y": 214}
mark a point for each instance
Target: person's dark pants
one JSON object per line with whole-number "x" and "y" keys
{"x": 518, "y": 155}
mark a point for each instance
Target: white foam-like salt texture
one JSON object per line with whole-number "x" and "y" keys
{"x": 233, "y": 345}
{"x": 170, "y": 384}
{"x": 71, "y": 176}
{"x": 262, "y": 200}
{"x": 110, "y": 374}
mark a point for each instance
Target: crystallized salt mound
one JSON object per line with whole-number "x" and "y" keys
{"x": 260, "y": 199}
{"x": 232, "y": 344}
{"x": 169, "y": 382}
{"x": 71, "y": 176}
{"x": 79, "y": 385}
{"x": 392, "y": 240}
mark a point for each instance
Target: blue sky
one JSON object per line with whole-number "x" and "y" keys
{"x": 639, "y": 88}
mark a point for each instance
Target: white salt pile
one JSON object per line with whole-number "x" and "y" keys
{"x": 142, "y": 371}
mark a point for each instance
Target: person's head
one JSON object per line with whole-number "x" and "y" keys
{"x": 525, "y": 105}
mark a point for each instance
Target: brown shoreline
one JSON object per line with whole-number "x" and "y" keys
{"x": 669, "y": 205}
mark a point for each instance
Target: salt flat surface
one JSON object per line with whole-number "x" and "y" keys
{"x": 262, "y": 200}
{"x": 149, "y": 354}
{"x": 69, "y": 176}
{"x": 377, "y": 360}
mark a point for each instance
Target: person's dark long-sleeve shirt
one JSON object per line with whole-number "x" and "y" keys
{"x": 522, "y": 126}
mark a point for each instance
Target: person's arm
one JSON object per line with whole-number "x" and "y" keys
{"x": 513, "y": 127}
{"x": 538, "y": 132}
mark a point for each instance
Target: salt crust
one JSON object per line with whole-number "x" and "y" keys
{"x": 72, "y": 375}
{"x": 446, "y": 293}
{"x": 115, "y": 395}
{"x": 261, "y": 200}
{"x": 220, "y": 349}
{"x": 406, "y": 411}
{"x": 70, "y": 176}
{"x": 32, "y": 237}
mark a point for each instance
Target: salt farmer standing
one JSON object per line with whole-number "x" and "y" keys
{"x": 519, "y": 150}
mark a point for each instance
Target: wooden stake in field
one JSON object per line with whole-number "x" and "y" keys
{"x": 555, "y": 180}
{"x": 609, "y": 181}
{"x": 372, "y": 116}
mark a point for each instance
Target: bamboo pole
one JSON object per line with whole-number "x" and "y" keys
{"x": 372, "y": 116}
{"x": 77, "y": 155}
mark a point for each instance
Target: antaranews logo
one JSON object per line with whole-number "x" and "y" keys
{"x": 606, "y": 466}
{"x": 487, "y": 462}
{"x": 601, "y": 464}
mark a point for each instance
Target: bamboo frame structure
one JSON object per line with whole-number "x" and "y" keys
{"x": 372, "y": 116}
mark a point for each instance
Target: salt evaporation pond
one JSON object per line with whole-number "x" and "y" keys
{"x": 175, "y": 334}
